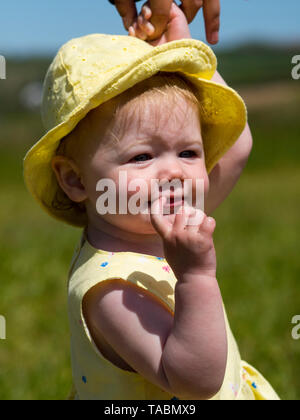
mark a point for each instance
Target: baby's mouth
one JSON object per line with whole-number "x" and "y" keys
{"x": 171, "y": 202}
{"x": 174, "y": 201}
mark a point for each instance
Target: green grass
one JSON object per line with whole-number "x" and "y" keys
{"x": 251, "y": 64}
{"x": 258, "y": 270}
{"x": 35, "y": 252}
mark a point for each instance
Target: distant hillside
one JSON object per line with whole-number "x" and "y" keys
{"x": 254, "y": 64}
{"x": 242, "y": 66}
{"x": 20, "y": 73}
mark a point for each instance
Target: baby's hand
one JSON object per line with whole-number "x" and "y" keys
{"x": 188, "y": 242}
{"x": 177, "y": 27}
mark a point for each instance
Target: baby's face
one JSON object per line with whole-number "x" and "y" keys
{"x": 154, "y": 144}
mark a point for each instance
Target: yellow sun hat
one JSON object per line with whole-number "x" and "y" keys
{"x": 93, "y": 69}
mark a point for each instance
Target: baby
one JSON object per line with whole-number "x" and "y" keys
{"x": 146, "y": 314}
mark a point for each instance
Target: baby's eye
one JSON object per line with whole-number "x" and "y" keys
{"x": 141, "y": 158}
{"x": 188, "y": 153}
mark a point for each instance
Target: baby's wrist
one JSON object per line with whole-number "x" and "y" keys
{"x": 195, "y": 274}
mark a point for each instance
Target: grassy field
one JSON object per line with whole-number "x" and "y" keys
{"x": 257, "y": 242}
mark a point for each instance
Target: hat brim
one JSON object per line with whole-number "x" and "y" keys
{"x": 223, "y": 117}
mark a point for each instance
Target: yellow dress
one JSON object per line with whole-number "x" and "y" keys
{"x": 94, "y": 377}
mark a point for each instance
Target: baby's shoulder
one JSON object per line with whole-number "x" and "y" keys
{"x": 112, "y": 307}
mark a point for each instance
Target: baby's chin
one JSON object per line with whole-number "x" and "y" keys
{"x": 136, "y": 224}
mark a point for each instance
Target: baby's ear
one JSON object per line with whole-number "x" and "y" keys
{"x": 67, "y": 175}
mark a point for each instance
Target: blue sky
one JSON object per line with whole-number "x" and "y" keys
{"x": 42, "y": 26}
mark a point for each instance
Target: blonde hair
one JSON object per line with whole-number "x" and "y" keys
{"x": 125, "y": 107}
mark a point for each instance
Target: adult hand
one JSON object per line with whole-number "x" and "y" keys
{"x": 177, "y": 27}
{"x": 161, "y": 12}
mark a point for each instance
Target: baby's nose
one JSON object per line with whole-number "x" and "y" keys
{"x": 170, "y": 169}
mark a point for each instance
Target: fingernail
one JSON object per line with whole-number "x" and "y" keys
{"x": 150, "y": 28}
{"x": 214, "y": 37}
{"x": 147, "y": 11}
{"x": 131, "y": 31}
{"x": 211, "y": 220}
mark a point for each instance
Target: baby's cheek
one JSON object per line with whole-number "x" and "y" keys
{"x": 135, "y": 184}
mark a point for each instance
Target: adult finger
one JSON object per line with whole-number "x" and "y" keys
{"x": 190, "y": 8}
{"x": 127, "y": 11}
{"x": 160, "y": 16}
{"x": 211, "y": 12}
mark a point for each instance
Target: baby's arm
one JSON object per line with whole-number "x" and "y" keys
{"x": 184, "y": 354}
{"x": 228, "y": 170}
